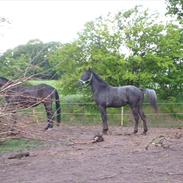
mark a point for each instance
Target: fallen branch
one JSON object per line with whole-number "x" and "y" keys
{"x": 96, "y": 138}
{"x": 159, "y": 141}
{"x": 19, "y": 155}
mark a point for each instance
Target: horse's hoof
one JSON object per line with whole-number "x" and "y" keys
{"x": 144, "y": 133}
{"x": 105, "y": 132}
{"x": 48, "y": 127}
{"x": 45, "y": 128}
{"x": 135, "y": 131}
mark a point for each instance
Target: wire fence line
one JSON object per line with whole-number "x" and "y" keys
{"x": 93, "y": 103}
{"x": 117, "y": 114}
{"x": 124, "y": 113}
{"x": 88, "y": 113}
{"x": 98, "y": 113}
{"x": 81, "y": 104}
{"x": 122, "y": 108}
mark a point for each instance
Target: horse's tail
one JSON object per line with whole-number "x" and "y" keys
{"x": 58, "y": 107}
{"x": 152, "y": 97}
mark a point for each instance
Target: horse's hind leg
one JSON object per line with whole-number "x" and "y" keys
{"x": 136, "y": 117}
{"x": 48, "y": 108}
{"x": 143, "y": 117}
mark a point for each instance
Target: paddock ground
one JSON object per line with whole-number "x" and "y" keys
{"x": 68, "y": 156}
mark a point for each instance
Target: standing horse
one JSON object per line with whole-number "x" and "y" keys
{"x": 26, "y": 97}
{"x": 109, "y": 96}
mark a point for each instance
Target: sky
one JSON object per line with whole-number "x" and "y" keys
{"x": 57, "y": 20}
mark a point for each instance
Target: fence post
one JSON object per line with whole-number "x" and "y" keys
{"x": 34, "y": 116}
{"x": 122, "y": 116}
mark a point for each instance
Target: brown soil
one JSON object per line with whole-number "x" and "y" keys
{"x": 69, "y": 156}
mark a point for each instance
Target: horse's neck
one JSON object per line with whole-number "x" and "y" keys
{"x": 98, "y": 85}
{"x": 10, "y": 86}
{"x": 5, "y": 84}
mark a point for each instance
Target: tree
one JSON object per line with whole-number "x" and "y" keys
{"x": 175, "y": 7}
{"x": 66, "y": 61}
{"x": 30, "y": 59}
{"x": 100, "y": 46}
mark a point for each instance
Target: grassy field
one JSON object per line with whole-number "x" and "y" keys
{"x": 18, "y": 144}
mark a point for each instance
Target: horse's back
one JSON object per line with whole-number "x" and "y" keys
{"x": 133, "y": 93}
{"x": 31, "y": 94}
{"x": 126, "y": 90}
{"x": 116, "y": 96}
{"x": 41, "y": 90}
{"x": 40, "y": 87}
{"x": 128, "y": 94}
{"x": 130, "y": 89}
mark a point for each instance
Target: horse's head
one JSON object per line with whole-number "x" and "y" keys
{"x": 86, "y": 77}
{"x": 3, "y": 81}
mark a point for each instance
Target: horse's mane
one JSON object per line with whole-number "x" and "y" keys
{"x": 99, "y": 78}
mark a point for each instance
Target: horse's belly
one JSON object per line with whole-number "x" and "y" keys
{"x": 117, "y": 103}
{"x": 23, "y": 101}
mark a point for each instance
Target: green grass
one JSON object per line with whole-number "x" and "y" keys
{"x": 19, "y": 144}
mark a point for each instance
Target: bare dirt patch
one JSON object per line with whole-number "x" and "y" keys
{"x": 69, "y": 157}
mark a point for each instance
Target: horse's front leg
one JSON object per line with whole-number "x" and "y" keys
{"x": 48, "y": 108}
{"x": 104, "y": 118}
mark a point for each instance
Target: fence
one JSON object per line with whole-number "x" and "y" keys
{"x": 170, "y": 114}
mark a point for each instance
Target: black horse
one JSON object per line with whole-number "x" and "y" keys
{"x": 31, "y": 96}
{"x": 109, "y": 96}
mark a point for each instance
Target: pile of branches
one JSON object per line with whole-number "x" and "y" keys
{"x": 6, "y": 117}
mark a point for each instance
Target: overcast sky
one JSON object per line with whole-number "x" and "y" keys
{"x": 57, "y": 20}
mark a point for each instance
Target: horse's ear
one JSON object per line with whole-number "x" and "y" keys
{"x": 89, "y": 68}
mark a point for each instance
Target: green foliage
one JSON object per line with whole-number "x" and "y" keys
{"x": 175, "y": 7}
{"x": 29, "y": 60}
{"x": 53, "y": 83}
{"x": 66, "y": 62}
{"x": 12, "y": 145}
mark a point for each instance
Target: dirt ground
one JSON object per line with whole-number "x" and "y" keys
{"x": 68, "y": 156}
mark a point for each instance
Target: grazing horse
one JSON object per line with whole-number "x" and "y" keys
{"x": 109, "y": 96}
{"x": 26, "y": 97}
